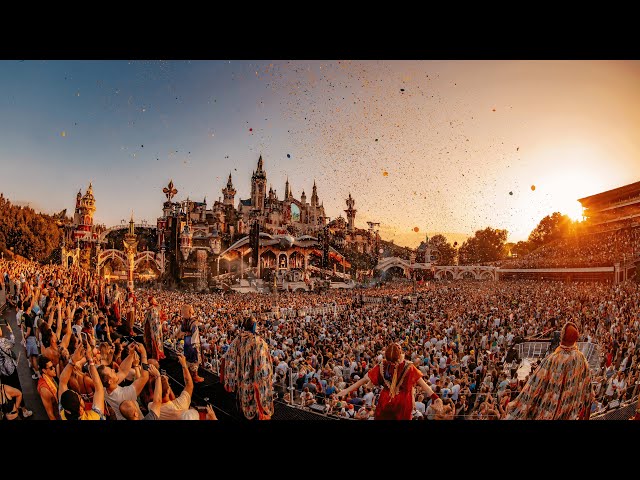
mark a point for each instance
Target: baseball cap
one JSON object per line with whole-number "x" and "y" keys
{"x": 70, "y": 401}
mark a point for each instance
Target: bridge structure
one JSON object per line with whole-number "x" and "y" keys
{"x": 440, "y": 272}
{"x": 619, "y": 272}
{"x": 102, "y": 238}
{"x": 127, "y": 263}
{"x": 130, "y": 263}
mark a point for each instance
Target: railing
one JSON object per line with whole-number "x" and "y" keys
{"x": 374, "y": 299}
{"x": 532, "y": 349}
{"x": 624, "y": 412}
{"x": 541, "y": 349}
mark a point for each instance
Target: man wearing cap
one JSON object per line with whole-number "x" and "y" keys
{"x": 560, "y": 389}
{"x": 153, "y": 331}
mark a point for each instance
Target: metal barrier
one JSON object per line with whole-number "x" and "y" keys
{"x": 532, "y": 349}
{"x": 591, "y": 351}
{"x": 625, "y": 411}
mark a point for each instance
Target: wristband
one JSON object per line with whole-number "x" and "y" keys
{"x": 91, "y": 363}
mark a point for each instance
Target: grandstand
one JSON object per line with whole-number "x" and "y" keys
{"x": 613, "y": 209}
{"x": 604, "y": 247}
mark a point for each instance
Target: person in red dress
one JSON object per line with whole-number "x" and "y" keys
{"x": 398, "y": 379}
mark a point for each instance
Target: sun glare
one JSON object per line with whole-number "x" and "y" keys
{"x": 577, "y": 173}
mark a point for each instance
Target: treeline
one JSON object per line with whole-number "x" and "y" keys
{"x": 490, "y": 245}
{"x": 27, "y": 233}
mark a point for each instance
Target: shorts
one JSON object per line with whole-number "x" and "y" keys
{"x": 32, "y": 347}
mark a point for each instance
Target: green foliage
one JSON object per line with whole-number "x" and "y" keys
{"x": 30, "y": 234}
{"x": 446, "y": 252}
{"x": 552, "y": 227}
{"x": 521, "y": 248}
{"x": 485, "y": 246}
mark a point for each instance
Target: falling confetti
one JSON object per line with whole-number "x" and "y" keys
{"x": 288, "y": 155}
{"x": 494, "y": 109}
{"x": 385, "y": 174}
{"x": 517, "y": 149}
{"x": 376, "y": 139}
{"x": 251, "y": 129}
{"x": 402, "y": 89}
{"x": 63, "y": 134}
{"x": 533, "y": 188}
{"x": 510, "y": 193}
{"x": 141, "y": 146}
{"x": 416, "y": 229}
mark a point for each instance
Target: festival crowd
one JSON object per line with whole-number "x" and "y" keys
{"x": 77, "y": 332}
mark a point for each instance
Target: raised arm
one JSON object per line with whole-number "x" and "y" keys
{"x": 98, "y": 389}
{"x": 156, "y": 404}
{"x": 34, "y": 298}
{"x": 188, "y": 381}
{"x": 51, "y": 313}
{"x": 67, "y": 336}
{"x": 126, "y": 364}
{"x": 59, "y": 321}
{"x": 77, "y": 359}
{"x": 139, "y": 383}
{"x": 355, "y": 386}
{"x": 436, "y": 402}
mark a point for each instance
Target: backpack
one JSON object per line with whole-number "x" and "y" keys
{"x": 7, "y": 362}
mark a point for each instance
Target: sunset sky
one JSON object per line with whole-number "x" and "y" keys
{"x": 444, "y": 146}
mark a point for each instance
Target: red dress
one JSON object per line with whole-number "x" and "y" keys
{"x": 401, "y": 405}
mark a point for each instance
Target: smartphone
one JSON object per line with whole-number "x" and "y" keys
{"x": 84, "y": 337}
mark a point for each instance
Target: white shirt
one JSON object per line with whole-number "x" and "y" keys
{"x": 464, "y": 360}
{"x": 173, "y": 410}
{"x": 619, "y": 384}
{"x": 455, "y": 390}
{"x": 609, "y": 391}
{"x": 420, "y": 407}
{"x": 368, "y": 399}
{"x": 119, "y": 395}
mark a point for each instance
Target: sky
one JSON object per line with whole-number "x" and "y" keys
{"x": 423, "y": 147}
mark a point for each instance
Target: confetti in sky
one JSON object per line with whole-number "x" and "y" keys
{"x": 451, "y": 158}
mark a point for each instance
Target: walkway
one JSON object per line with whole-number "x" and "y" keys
{"x": 30, "y": 396}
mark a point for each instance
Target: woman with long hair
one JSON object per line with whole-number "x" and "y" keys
{"x": 397, "y": 377}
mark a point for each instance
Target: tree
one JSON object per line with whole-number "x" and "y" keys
{"x": 521, "y": 248}
{"x": 552, "y": 227}
{"x": 446, "y": 252}
{"x": 485, "y": 246}
{"x": 30, "y": 234}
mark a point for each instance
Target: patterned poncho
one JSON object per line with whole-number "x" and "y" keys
{"x": 560, "y": 389}
{"x": 249, "y": 372}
